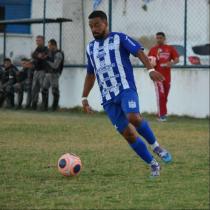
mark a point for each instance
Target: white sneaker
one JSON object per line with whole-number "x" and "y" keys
{"x": 162, "y": 119}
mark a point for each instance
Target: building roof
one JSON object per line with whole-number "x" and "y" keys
{"x": 34, "y": 21}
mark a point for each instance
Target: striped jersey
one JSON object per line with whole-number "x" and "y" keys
{"x": 109, "y": 60}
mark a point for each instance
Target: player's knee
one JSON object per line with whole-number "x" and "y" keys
{"x": 134, "y": 119}
{"x": 129, "y": 134}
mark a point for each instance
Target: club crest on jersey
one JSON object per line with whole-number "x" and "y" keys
{"x": 132, "y": 104}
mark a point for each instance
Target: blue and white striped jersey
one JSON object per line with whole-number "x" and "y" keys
{"x": 109, "y": 60}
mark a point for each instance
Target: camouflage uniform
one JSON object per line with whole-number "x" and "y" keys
{"x": 6, "y": 87}
{"x": 23, "y": 83}
{"x": 54, "y": 69}
{"x": 39, "y": 74}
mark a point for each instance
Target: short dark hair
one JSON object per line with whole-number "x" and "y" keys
{"x": 25, "y": 59}
{"x": 40, "y": 37}
{"x": 98, "y": 13}
{"x": 7, "y": 60}
{"x": 160, "y": 34}
{"x": 53, "y": 42}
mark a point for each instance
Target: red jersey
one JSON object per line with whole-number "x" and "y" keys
{"x": 163, "y": 53}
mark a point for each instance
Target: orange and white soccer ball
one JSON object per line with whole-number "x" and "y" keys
{"x": 69, "y": 165}
{"x": 152, "y": 60}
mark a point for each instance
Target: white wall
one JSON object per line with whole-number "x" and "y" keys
{"x": 17, "y": 46}
{"x": 189, "y": 92}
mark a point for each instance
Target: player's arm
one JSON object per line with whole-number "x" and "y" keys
{"x": 88, "y": 85}
{"x": 154, "y": 75}
{"x": 173, "y": 62}
{"x": 174, "y": 57}
{"x": 137, "y": 50}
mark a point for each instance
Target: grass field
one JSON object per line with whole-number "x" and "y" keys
{"x": 113, "y": 177}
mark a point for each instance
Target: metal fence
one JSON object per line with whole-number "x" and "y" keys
{"x": 185, "y": 23}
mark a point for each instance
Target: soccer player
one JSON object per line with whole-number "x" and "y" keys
{"x": 165, "y": 56}
{"x": 108, "y": 61}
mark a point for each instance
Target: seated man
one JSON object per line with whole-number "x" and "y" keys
{"x": 23, "y": 83}
{"x": 2, "y": 73}
{"x": 8, "y": 80}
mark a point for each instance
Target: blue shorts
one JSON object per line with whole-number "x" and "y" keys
{"x": 126, "y": 102}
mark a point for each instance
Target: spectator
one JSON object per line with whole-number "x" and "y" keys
{"x": 2, "y": 74}
{"x": 23, "y": 83}
{"x": 28, "y": 82}
{"x": 38, "y": 56}
{"x": 54, "y": 69}
{"x": 162, "y": 57}
{"x": 7, "y": 82}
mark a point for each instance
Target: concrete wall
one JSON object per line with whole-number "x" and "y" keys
{"x": 189, "y": 91}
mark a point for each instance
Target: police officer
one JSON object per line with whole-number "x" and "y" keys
{"x": 7, "y": 82}
{"x": 54, "y": 63}
{"x": 29, "y": 68}
{"x": 2, "y": 73}
{"x": 38, "y": 56}
{"x": 23, "y": 83}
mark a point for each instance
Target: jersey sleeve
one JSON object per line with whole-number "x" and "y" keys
{"x": 90, "y": 68}
{"x": 130, "y": 44}
{"x": 174, "y": 53}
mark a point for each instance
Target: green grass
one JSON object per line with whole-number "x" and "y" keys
{"x": 113, "y": 177}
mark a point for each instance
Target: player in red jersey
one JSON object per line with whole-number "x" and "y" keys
{"x": 163, "y": 56}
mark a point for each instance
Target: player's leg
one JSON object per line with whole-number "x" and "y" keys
{"x": 128, "y": 131}
{"x": 130, "y": 106}
{"x": 161, "y": 100}
{"x": 167, "y": 86}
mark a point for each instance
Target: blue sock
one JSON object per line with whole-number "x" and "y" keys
{"x": 145, "y": 131}
{"x": 141, "y": 149}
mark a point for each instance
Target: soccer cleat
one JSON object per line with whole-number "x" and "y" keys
{"x": 163, "y": 154}
{"x": 155, "y": 168}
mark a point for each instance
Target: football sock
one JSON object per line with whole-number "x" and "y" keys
{"x": 145, "y": 131}
{"x": 141, "y": 149}
{"x": 153, "y": 146}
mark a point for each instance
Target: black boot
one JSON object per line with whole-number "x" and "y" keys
{"x": 2, "y": 98}
{"x": 34, "y": 105}
{"x": 45, "y": 101}
{"x": 55, "y": 102}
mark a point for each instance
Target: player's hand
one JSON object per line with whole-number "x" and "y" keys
{"x": 86, "y": 106}
{"x": 156, "y": 76}
{"x": 39, "y": 55}
{"x": 169, "y": 64}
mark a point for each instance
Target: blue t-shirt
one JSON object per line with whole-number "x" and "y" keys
{"x": 109, "y": 60}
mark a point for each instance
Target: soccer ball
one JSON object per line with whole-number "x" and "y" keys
{"x": 152, "y": 60}
{"x": 69, "y": 165}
